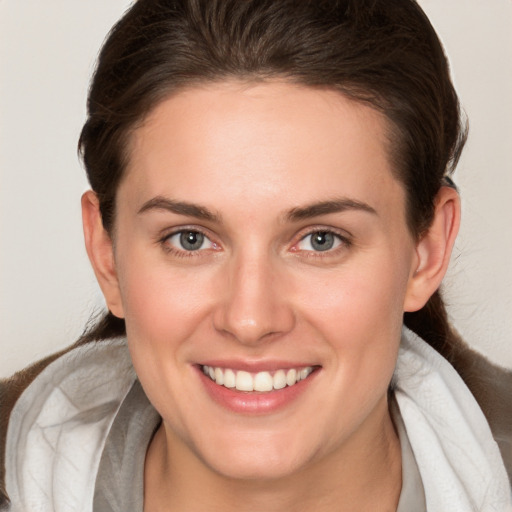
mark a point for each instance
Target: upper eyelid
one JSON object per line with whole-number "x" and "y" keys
{"x": 341, "y": 239}
{"x": 168, "y": 232}
{"x": 342, "y": 233}
{"x": 163, "y": 242}
{"x": 345, "y": 239}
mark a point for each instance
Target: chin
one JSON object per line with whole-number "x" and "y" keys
{"x": 261, "y": 468}
{"x": 254, "y": 456}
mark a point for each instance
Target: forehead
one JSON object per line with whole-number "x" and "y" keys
{"x": 261, "y": 143}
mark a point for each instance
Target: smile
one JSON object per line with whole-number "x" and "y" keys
{"x": 262, "y": 381}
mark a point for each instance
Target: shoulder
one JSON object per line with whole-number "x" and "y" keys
{"x": 10, "y": 391}
{"x": 491, "y": 385}
{"x": 77, "y": 390}
{"x": 453, "y": 436}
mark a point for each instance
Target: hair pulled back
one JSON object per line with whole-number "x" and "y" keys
{"x": 384, "y": 53}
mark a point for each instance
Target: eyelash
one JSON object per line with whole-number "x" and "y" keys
{"x": 344, "y": 243}
{"x": 183, "y": 253}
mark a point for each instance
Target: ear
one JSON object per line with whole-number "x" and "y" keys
{"x": 433, "y": 251}
{"x": 101, "y": 252}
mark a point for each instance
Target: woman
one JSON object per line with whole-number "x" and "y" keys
{"x": 270, "y": 195}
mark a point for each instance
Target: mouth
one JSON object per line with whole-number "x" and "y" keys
{"x": 261, "y": 382}
{"x": 250, "y": 388}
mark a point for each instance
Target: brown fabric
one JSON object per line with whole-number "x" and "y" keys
{"x": 490, "y": 384}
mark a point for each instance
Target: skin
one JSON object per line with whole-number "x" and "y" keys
{"x": 252, "y": 155}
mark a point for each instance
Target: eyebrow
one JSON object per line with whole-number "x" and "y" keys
{"x": 178, "y": 207}
{"x": 293, "y": 215}
{"x": 326, "y": 207}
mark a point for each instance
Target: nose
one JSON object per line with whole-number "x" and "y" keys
{"x": 252, "y": 306}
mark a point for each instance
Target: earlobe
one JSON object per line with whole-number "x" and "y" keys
{"x": 433, "y": 251}
{"x": 101, "y": 254}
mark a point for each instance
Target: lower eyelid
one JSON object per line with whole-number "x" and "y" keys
{"x": 165, "y": 240}
{"x": 339, "y": 240}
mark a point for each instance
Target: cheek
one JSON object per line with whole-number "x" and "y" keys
{"x": 164, "y": 308}
{"x": 163, "y": 305}
{"x": 358, "y": 311}
{"x": 356, "y": 299}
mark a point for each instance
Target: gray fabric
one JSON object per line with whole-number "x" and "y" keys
{"x": 120, "y": 478}
{"x": 55, "y": 445}
{"x": 412, "y": 496}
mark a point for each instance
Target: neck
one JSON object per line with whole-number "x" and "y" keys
{"x": 362, "y": 474}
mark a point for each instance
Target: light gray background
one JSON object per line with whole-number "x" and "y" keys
{"x": 47, "y": 291}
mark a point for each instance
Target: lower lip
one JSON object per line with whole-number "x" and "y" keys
{"x": 243, "y": 402}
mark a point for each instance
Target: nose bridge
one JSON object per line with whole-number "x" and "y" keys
{"x": 254, "y": 304}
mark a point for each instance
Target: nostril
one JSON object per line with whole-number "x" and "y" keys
{"x": 253, "y": 329}
{"x": 252, "y": 307}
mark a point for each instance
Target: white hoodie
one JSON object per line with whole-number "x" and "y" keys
{"x": 58, "y": 428}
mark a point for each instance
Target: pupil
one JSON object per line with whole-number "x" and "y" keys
{"x": 322, "y": 241}
{"x": 191, "y": 240}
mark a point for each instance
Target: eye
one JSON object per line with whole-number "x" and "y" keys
{"x": 320, "y": 241}
{"x": 189, "y": 240}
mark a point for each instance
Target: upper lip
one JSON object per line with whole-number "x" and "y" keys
{"x": 256, "y": 366}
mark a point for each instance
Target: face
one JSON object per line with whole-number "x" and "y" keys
{"x": 261, "y": 239}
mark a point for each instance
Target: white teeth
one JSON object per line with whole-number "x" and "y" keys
{"x": 261, "y": 381}
{"x": 291, "y": 377}
{"x": 229, "y": 379}
{"x": 219, "y": 376}
{"x": 244, "y": 381}
{"x": 279, "y": 379}
{"x": 305, "y": 372}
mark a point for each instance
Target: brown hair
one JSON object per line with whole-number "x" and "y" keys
{"x": 384, "y": 53}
